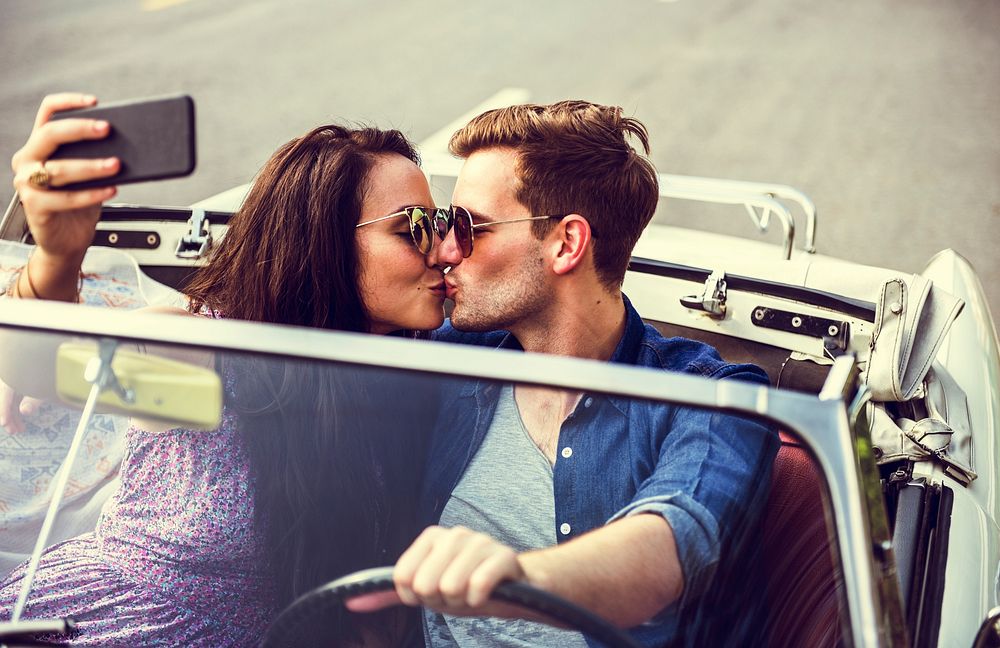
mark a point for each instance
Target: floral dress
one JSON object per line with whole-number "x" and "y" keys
{"x": 176, "y": 558}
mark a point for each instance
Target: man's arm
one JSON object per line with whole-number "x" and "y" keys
{"x": 625, "y": 572}
{"x": 706, "y": 490}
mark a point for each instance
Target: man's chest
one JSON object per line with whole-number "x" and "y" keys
{"x": 599, "y": 455}
{"x": 543, "y": 412}
{"x": 596, "y": 464}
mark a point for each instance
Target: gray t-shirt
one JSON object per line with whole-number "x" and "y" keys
{"x": 506, "y": 492}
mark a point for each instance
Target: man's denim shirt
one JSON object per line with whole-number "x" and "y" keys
{"x": 702, "y": 471}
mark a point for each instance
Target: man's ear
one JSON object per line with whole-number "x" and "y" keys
{"x": 571, "y": 243}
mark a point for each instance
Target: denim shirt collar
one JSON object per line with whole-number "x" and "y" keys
{"x": 626, "y": 352}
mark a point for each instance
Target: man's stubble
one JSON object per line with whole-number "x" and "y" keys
{"x": 502, "y": 301}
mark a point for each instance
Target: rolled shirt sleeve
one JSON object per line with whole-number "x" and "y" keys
{"x": 710, "y": 482}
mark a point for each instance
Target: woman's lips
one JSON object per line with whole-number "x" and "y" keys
{"x": 439, "y": 289}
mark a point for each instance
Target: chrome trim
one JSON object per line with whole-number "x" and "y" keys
{"x": 752, "y": 195}
{"x": 856, "y": 308}
{"x": 750, "y": 200}
{"x": 811, "y": 418}
{"x": 712, "y": 299}
{"x": 197, "y": 242}
{"x": 891, "y": 620}
{"x": 14, "y": 634}
{"x": 768, "y": 189}
{"x": 989, "y": 631}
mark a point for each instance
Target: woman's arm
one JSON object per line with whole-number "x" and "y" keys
{"x": 62, "y": 224}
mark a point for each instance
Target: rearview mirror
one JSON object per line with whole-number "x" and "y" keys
{"x": 148, "y": 386}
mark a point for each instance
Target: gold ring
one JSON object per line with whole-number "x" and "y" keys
{"x": 40, "y": 178}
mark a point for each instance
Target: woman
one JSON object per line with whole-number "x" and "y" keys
{"x": 211, "y": 533}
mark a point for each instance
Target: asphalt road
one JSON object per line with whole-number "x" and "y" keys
{"x": 886, "y": 113}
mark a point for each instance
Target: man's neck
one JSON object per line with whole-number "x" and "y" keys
{"x": 582, "y": 325}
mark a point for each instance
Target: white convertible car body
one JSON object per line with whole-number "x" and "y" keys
{"x": 909, "y": 476}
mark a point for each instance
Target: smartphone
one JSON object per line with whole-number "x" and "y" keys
{"x": 153, "y": 138}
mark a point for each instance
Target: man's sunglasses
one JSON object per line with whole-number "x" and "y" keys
{"x": 461, "y": 221}
{"x": 424, "y": 223}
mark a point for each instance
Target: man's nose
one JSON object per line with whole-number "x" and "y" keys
{"x": 445, "y": 252}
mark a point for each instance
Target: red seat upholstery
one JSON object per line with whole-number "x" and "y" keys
{"x": 802, "y": 589}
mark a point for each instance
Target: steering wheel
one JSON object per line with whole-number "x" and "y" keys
{"x": 319, "y": 602}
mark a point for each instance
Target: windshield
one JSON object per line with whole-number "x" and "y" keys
{"x": 210, "y": 484}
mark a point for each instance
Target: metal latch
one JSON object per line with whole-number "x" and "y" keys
{"x": 713, "y": 297}
{"x": 195, "y": 244}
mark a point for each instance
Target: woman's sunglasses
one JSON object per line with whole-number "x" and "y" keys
{"x": 424, "y": 223}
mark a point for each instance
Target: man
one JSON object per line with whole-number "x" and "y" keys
{"x": 622, "y": 507}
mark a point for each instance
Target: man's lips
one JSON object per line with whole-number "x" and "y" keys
{"x": 450, "y": 289}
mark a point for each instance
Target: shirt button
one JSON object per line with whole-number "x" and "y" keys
{"x": 564, "y": 528}
{"x": 567, "y": 452}
{"x": 588, "y": 402}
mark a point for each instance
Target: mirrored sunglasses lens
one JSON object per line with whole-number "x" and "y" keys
{"x": 462, "y": 224}
{"x": 420, "y": 229}
{"x": 442, "y": 222}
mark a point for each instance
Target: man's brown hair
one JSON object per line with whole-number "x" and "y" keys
{"x": 573, "y": 157}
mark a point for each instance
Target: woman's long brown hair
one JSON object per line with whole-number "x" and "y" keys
{"x": 289, "y": 256}
{"x": 335, "y": 452}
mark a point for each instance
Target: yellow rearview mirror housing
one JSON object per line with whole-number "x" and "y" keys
{"x": 151, "y": 386}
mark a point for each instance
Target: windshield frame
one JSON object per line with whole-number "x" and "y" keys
{"x": 831, "y": 426}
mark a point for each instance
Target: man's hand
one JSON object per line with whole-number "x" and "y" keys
{"x": 453, "y": 571}
{"x": 626, "y": 572}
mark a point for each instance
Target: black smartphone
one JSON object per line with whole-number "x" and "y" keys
{"x": 153, "y": 138}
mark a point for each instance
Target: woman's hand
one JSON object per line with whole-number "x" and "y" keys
{"x": 14, "y": 408}
{"x": 61, "y": 222}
